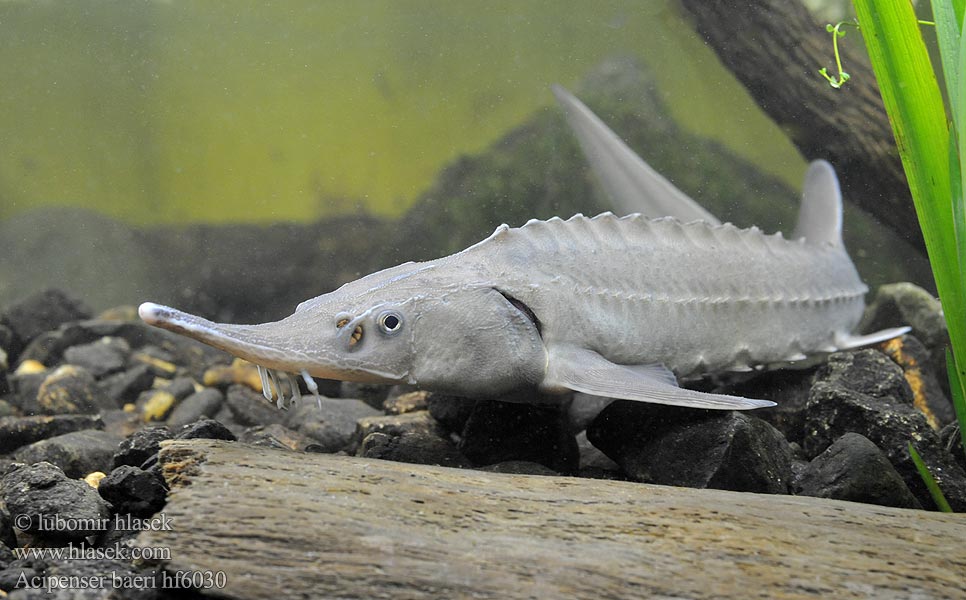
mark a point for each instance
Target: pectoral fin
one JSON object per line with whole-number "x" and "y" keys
{"x": 848, "y": 342}
{"x": 587, "y": 371}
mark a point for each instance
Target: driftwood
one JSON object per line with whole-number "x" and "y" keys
{"x": 775, "y": 48}
{"x": 288, "y": 525}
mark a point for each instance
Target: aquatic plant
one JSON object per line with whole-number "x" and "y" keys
{"x": 931, "y": 146}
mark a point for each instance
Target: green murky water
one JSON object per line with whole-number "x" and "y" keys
{"x": 214, "y": 111}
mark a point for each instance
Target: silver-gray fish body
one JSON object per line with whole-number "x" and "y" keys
{"x": 693, "y": 296}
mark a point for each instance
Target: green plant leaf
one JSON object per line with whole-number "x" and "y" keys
{"x": 948, "y": 32}
{"x": 915, "y": 106}
{"x": 930, "y": 481}
{"x": 958, "y": 393}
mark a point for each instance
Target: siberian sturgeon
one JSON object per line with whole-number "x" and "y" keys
{"x": 612, "y": 306}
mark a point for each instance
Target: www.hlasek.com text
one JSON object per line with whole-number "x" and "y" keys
{"x": 84, "y": 552}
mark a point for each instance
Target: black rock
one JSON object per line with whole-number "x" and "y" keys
{"x": 868, "y": 372}
{"x": 131, "y": 490}
{"x": 20, "y": 431}
{"x": 693, "y": 448}
{"x": 952, "y": 441}
{"x": 6, "y": 527}
{"x": 411, "y": 437}
{"x": 69, "y": 389}
{"x": 332, "y": 426}
{"x": 853, "y": 468}
{"x": 78, "y": 453}
{"x": 137, "y": 448}
{"x": 786, "y": 387}
{"x": 205, "y": 403}
{"x": 928, "y": 395}
{"x": 518, "y": 467}
{"x": 117, "y": 577}
{"x": 451, "y": 411}
{"x": 251, "y": 408}
{"x": 275, "y": 436}
{"x": 125, "y": 387}
{"x": 501, "y": 431}
{"x": 207, "y": 429}
{"x": 38, "y": 313}
{"x": 106, "y": 355}
{"x": 847, "y": 398}
{"x": 17, "y": 572}
{"x": 57, "y": 507}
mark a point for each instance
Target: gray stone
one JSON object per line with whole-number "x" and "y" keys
{"x": 78, "y": 454}
{"x": 693, "y": 448}
{"x": 332, "y": 426}
{"x": 853, "y": 468}
{"x": 44, "y": 493}
{"x": 69, "y": 389}
{"x": 20, "y": 431}
{"x": 205, "y": 403}
{"x": 373, "y": 394}
{"x": 106, "y": 355}
{"x": 23, "y": 391}
{"x": 411, "y": 437}
{"x": 133, "y": 491}
{"x": 898, "y": 304}
{"x": 501, "y": 431}
{"x": 251, "y": 408}
{"x": 6, "y": 527}
{"x": 125, "y": 387}
{"x": 181, "y": 387}
{"x": 43, "y": 311}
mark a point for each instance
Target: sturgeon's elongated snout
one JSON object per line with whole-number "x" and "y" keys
{"x": 261, "y": 344}
{"x": 300, "y": 343}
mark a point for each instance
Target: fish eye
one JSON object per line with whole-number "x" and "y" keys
{"x": 390, "y": 322}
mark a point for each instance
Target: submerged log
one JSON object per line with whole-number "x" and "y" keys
{"x": 287, "y": 525}
{"x": 775, "y": 49}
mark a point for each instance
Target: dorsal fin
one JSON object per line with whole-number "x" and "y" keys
{"x": 632, "y": 184}
{"x": 820, "y": 215}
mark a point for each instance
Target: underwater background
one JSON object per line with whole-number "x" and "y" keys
{"x": 234, "y": 158}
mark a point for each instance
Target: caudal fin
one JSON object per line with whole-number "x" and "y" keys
{"x": 820, "y": 214}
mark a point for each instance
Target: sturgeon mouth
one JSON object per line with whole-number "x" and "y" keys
{"x": 232, "y": 339}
